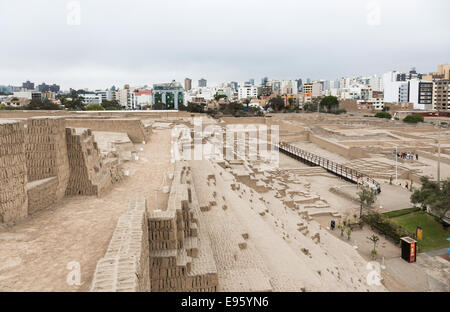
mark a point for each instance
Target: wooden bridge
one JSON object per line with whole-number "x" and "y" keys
{"x": 344, "y": 172}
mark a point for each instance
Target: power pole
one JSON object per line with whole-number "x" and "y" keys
{"x": 439, "y": 153}
{"x": 396, "y": 175}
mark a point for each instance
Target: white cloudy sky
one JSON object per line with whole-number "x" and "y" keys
{"x": 143, "y": 42}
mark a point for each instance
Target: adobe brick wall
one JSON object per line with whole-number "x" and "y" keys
{"x": 181, "y": 257}
{"x": 41, "y": 194}
{"x": 125, "y": 266}
{"x": 13, "y": 172}
{"x": 132, "y": 126}
{"x": 88, "y": 175}
{"x": 347, "y": 152}
{"x": 46, "y": 151}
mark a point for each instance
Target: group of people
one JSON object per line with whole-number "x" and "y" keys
{"x": 409, "y": 156}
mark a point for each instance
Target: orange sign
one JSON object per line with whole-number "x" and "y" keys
{"x": 412, "y": 254}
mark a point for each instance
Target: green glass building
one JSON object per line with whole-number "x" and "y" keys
{"x": 170, "y": 94}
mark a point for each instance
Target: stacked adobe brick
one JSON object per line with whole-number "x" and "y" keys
{"x": 181, "y": 258}
{"x": 13, "y": 172}
{"x": 88, "y": 176}
{"x": 46, "y": 152}
{"x": 125, "y": 266}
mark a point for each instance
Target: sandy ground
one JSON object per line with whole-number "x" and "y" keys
{"x": 34, "y": 253}
{"x": 288, "y": 259}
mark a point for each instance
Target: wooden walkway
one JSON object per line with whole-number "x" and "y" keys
{"x": 344, "y": 172}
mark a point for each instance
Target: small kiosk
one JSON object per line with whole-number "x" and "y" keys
{"x": 409, "y": 249}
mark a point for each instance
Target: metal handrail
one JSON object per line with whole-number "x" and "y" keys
{"x": 330, "y": 165}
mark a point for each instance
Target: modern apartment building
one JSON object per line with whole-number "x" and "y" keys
{"x": 29, "y": 95}
{"x": 316, "y": 89}
{"x": 28, "y": 85}
{"x": 247, "y": 92}
{"x": 143, "y": 98}
{"x": 126, "y": 97}
{"x": 45, "y": 87}
{"x": 307, "y": 88}
{"x": 443, "y": 73}
{"x": 421, "y": 94}
{"x": 441, "y": 95}
{"x": 170, "y": 94}
{"x": 89, "y": 99}
{"x": 187, "y": 84}
{"x": 202, "y": 83}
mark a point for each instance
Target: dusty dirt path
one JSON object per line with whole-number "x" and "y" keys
{"x": 34, "y": 253}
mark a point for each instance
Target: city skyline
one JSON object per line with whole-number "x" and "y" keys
{"x": 335, "y": 39}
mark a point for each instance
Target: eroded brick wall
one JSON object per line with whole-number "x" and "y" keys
{"x": 13, "y": 172}
{"x": 125, "y": 266}
{"x": 88, "y": 175}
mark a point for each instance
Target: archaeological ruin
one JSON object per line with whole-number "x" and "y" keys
{"x": 155, "y": 201}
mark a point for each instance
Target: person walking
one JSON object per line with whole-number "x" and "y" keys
{"x": 406, "y": 184}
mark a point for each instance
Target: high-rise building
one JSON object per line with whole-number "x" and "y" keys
{"x": 170, "y": 94}
{"x": 46, "y": 88}
{"x": 444, "y": 70}
{"x": 264, "y": 81}
{"x": 187, "y": 84}
{"x": 307, "y": 88}
{"x": 316, "y": 89}
{"x": 251, "y": 82}
{"x": 441, "y": 95}
{"x": 421, "y": 94}
{"x": 28, "y": 85}
{"x": 202, "y": 83}
{"x": 299, "y": 85}
{"x": 247, "y": 92}
{"x": 443, "y": 73}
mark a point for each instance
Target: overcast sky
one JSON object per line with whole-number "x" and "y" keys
{"x": 144, "y": 42}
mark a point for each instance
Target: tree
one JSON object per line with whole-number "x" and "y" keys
{"x": 341, "y": 228}
{"x": 37, "y": 104}
{"x": 94, "y": 107}
{"x": 310, "y": 107}
{"x": 76, "y": 102}
{"x": 192, "y": 108}
{"x": 111, "y": 105}
{"x": 349, "y": 232}
{"x": 433, "y": 195}
{"x": 219, "y": 96}
{"x": 374, "y": 239}
{"x": 331, "y": 103}
{"x": 413, "y": 118}
{"x": 367, "y": 197}
{"x": 158, "y": 106}
{"x": 383, "y": 115}
{"x": 291, "y": 102}
{"x": 276, "y": 103}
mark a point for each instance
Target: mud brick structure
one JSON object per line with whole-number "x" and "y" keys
{"x": 41, "y": 194}
{"x": 13, "y": 172}
{"x": 88, "y": 176}
{"x": 46, "y": 151}
{"x": 125, "y": 266}
{"x": 132, "y": 126}
{"x": 181, "y": 258}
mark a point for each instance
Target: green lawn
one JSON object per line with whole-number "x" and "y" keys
{"x": 434, "y": 234}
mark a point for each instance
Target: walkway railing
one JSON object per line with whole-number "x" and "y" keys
{"x": 331, "y": 166}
